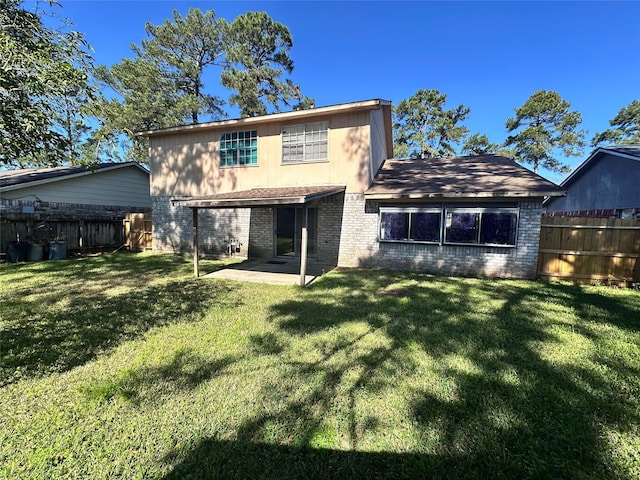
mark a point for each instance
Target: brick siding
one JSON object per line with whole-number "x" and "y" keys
{"x": 173, "y": 228}
{"x": 261, "y": 233}
{"x": 359, "y": 247}
{"x": 347, "y": 236}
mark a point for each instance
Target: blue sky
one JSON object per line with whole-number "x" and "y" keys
{"x": 489, "y": 56}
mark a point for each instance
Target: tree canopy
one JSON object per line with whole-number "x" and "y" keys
{"x": 423, "y": 127}
{"x": 479, "y": 144}
{"x": 257, "y": 56}
{"x": 544, "y": 125}
{"x": 44, "y": 87}
{"x": 164, "y": 84}
{"x": 625, "y": 127}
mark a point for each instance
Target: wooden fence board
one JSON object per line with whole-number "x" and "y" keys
{"x": 585, "y": 249}
{"x": 139, "y": 231}
{"x": 81, "y": 235}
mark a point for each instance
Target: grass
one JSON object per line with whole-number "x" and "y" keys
{"x": 124, "y": 366}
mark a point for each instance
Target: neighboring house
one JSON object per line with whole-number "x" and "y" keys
{"x": 606, "y": 184}
{"x": 323, "y": 174}
{"x": 108, "y": 192}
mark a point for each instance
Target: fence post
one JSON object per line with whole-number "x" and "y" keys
{"x": 196, "y": 266}
{"x": 81, "y": 235}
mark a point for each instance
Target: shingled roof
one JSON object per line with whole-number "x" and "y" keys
{"x": 11, "y": 179}
{"x": 257, "y": 197}
{"x": 457, "y": 177}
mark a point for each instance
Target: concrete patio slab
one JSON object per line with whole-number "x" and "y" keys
{"x": 276, "y": 271}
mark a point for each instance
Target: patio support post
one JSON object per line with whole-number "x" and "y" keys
{"x": 196, "y": 267}
{"x": 303, "y": 249}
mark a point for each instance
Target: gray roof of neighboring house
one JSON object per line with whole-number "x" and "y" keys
{"x": 457, "y": 177}
{"x": 631, "y": 152}
{"x": 11, "y": 179}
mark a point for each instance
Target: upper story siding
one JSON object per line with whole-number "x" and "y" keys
{"x": 186, "y": 161}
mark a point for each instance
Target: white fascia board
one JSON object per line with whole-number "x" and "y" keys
{"x": 272, "y": 117}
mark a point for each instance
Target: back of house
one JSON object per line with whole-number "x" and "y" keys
{"x": 256, "y": 182}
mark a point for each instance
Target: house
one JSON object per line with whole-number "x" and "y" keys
{"x": 323, "y": 183}
{"x": 604, "y": 185}
{"x": 39, "y": 202}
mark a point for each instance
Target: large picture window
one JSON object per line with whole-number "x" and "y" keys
{"x": 491, "y": 226}
{"x": 481, "y": 226}
{"x": 413, "y": 225}
{"x": 305, "y": 143}
{"x": 239, "y": 148}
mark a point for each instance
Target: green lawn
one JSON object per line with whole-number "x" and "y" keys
{"x": 123, "y": 366}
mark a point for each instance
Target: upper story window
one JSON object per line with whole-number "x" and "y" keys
{"x": 239, "y": 148}
{"x": 305, "y": 143}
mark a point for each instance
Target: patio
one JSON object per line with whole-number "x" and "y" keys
{"x": 275, "y": 271}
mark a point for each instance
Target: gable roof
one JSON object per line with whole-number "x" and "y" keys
{"x": 15, "y": 179}
{"x": 458, "y": 177}
{"x": 631, "y": 152}
{"x": 308, "y": 113}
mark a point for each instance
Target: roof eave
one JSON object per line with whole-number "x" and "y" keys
{"x": 204, "y": 202}
{"x": 426, "y": 195}
{"x": 70, "y": 176}
{"x": 272, "y": 117}
{"x": 592, "y": 158}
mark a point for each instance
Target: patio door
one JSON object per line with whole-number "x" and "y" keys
{"x": 289, "y": 222}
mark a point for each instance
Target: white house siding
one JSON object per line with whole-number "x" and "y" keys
{"x": 359, "y": 247}
{"x": 126, "y": 187}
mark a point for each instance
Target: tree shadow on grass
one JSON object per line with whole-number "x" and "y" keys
{"x": 39, "y": 342}
{"x": 185, "y": 371}
{"x": 492, "y": 401}
{"x": 248, "y": 460}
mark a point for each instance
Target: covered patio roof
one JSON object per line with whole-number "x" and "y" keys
{"x": 261, "y": 197}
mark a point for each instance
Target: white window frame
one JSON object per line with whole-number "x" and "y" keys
{"x": 303, "y": 141}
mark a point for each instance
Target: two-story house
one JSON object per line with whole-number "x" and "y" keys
{"x": 322, "y": 182}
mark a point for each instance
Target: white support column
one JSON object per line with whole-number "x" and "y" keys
{"x": 196, "y": 266}
{"x": 303, "y": 248}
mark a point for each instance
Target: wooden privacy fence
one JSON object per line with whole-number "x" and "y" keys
{"x": 138, "y": 231}
{"x": 584, "y": 250}
{"x": 134, "y": 232}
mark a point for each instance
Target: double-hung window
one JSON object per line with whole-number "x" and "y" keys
{"x": 410, "y": 225}
{"x": 305, "y": 143}
{"x": 481, "y": 226}
{"x": 239, "y": 148}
